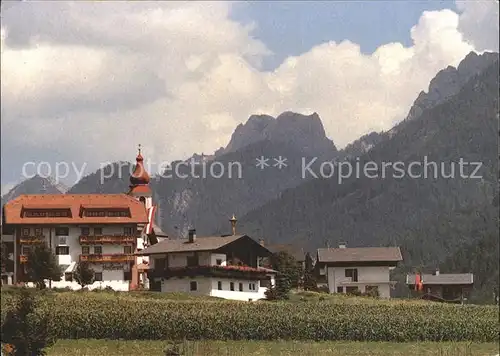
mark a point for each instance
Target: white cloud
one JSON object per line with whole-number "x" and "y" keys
{"x": 479, "y": 23}
{"x": 88, "y": 81}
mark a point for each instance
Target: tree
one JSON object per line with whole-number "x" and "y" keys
{"x": 42, "y": 265}
{"x": 287, "y": 265}
{"x": 4, "y": 257}
{"x": 84, "y": 275}
{"x": 26, "y": 333}
{"x": 310, "y": 283}
{"x": 280, "y": 291}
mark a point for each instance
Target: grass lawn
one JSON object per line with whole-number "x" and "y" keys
{"x": 270, "y": 348}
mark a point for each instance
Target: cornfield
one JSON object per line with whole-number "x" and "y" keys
{"x": 122, "y": 316}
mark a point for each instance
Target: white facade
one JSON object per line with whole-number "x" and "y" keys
{"x": 209, "y": 286}
{"x": 367, "y": 276}
{"x": 68, "y": 250}
{"x": 222, "y": 287}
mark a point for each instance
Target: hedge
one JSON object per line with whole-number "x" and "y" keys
{"x": 120, "y": 316}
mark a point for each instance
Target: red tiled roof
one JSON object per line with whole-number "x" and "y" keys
{"x": 74, "y": 202}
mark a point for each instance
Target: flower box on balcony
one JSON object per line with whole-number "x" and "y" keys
{"x": 23, "y": 259}
{"x": 107, "y": 239}
{"x": 31, "y": 240}
{"x": 119, "y": 257}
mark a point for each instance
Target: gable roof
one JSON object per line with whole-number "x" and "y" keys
{"x": 360, "y": 254}
{"x": 443, "y": 278}
{"x": 74, "y": 202}
{"x": 209, "y": 243}
{"x": 293, "y": 250}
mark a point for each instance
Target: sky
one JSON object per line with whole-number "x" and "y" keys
{"x": 84, "y": 82}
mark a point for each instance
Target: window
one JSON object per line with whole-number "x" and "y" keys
{"x": 192, "y": 261}
{"x": 25, "y": 250}
{"x": 98, "y": 250}
{"x": 127, "y": 250}
{"x": 127, "y": 275}
{"x": 97, "y": 231}
{"x": 68, "y": 277}
{"x": 62, "y": 231}
{"x": 62, "y": 250}
{"x": 128, "y": 231}
{"x": 142, "y": 200}
{"x": 241, "y": 287}
{"x": 85, "y": 250}
{"x": 38, "y": 231}
{"x": 219, "y": 285}
{"x": 193, "y": 286}
{"x": 352, "y": 273}
{"x": 218, "y": 262}
{"x": 85, "y": 231}
{"x": 252, "y": 286}
{"x": 26, "y": 231}
{"x": 231, "y": 286}
{"x": 98, "y": 276}
{"x": 160, "y": 263}
{"x": 340, "y": 289}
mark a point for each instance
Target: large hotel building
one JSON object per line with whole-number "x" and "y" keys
{"x": 106, "y": 230}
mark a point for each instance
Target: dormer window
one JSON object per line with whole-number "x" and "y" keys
{"x": 142, "y": 200}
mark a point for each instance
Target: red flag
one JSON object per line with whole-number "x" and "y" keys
{"x": 151, "y": 214}
{"x": 417, "y": 281}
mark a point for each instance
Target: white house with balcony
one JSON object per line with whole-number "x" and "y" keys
{"x": 218, "y": 266}
{"x": 362, "y": 269}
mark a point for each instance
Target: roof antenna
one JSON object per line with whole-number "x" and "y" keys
{"x": 44, "y": 187}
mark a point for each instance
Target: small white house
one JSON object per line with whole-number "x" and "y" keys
{"x": 350, "y": 270}
{"x": 218, "y": 266}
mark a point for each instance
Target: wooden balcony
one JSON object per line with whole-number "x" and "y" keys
{"x": 116, "y": 257}
{"x": 107, "y": 239}
{"x": 23, "y": 259}
{"x": 237, "y": 272}
{"x": 32, "y": 240}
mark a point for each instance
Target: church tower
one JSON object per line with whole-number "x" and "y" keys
{"x": 139, "y": 183}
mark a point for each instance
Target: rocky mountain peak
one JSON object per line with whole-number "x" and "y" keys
{"x": 450, "y": 80}
{"x": 35, "y": 185}
{"x": 303, "y": 131}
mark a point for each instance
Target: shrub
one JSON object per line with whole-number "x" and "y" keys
{"x": 323, "y": 289}
{"x": 25, "y": 331}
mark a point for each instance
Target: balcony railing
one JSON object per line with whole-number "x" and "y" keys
{"x": 107, "y": 239}
{"x": 32, "y": 240}
{"x": 23, "y": 259}
{"x": 116, "y": 257}
{"x": 237, "y": 272}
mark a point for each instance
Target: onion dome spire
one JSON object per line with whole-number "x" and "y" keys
{"x": 139, "y": 176}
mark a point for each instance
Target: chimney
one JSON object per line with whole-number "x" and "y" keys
{"x": 342, "y": 244}
{"x": 192, "y": 235}
{"x": 261, "y": 242}
{"x": 436, "y": 273}
{"x": 233, "y": 221}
